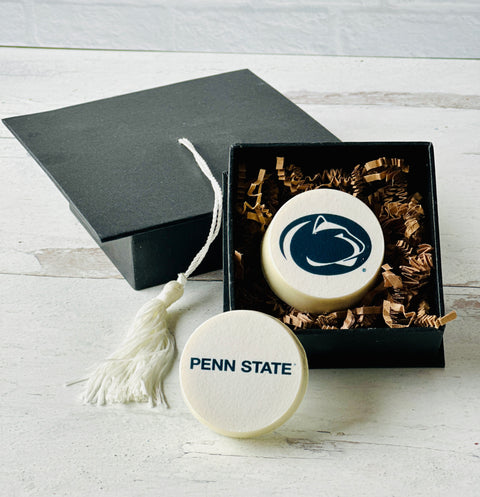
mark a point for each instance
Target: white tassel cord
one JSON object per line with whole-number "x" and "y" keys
{"x": 136, "y": 370}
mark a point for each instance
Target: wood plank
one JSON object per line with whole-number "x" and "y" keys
{"x": 30, "y": 205}
{"x": 398, "y": 431}
{"x": 63, "y": 306}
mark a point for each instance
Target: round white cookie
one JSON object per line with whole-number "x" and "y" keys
{"x": 243, "y": 373}
{"x": 322, "y": 251}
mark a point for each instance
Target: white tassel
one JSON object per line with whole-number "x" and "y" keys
{"x": 136, "y": 370}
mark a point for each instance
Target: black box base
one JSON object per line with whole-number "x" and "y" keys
{"x": 144, "y": 259}
{"x": 373, "y": 348}
{"x": 352, "y": 348}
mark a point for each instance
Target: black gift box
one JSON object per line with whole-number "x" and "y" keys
{"x": 369, "y": 347}
{"x": 134, "y": 188}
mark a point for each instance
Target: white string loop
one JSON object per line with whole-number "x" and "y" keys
{"x": 217, "y": 206}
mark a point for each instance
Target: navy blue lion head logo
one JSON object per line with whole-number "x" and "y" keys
{"x": 325, "y": 244}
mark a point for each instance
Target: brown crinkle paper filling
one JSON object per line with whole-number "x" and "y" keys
{"x": 400, "y": 297}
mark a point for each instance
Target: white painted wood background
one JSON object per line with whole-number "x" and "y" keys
{"x": 395, "y": 28}
{"x": 63, "y": 306}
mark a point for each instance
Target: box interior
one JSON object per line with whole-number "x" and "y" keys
{"x": 413, "y": 346}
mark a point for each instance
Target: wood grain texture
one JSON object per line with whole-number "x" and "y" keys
{"x": 63, "y": 305}
{"x": 358, "y": 432}
{"x": 400, "y": 99}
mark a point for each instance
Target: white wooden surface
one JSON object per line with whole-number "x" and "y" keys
{"x": 398, "y": 432}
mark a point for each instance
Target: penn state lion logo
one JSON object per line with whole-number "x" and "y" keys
{"x": 325, "y": 244}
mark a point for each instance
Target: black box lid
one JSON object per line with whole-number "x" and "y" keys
{"x": 118, "y": 162}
